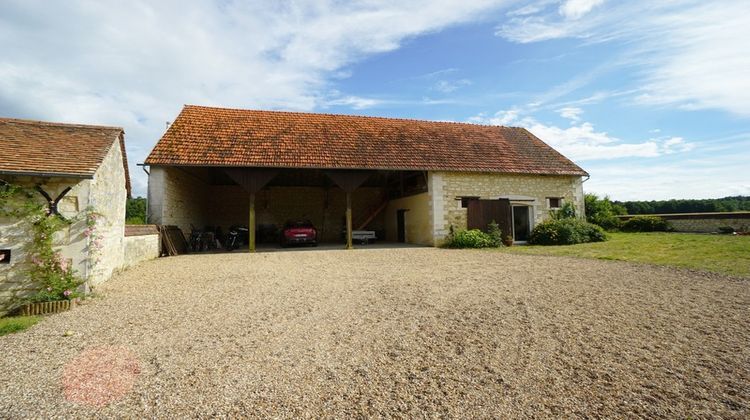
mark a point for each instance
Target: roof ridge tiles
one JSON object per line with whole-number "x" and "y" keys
{"x": 59, "y": 124}
{"x": 275, "y": 111}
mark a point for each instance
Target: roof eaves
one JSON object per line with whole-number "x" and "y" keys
{"x": 348, "y": 168}
{"x": 47, "y": 174}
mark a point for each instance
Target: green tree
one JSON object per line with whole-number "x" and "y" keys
{"x": 135, "y": 211}
{"x": 602, "y": 211}
{"x": 735, "y": 203}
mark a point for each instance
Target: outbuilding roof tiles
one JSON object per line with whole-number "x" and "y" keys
{"x": 208, "y": 136}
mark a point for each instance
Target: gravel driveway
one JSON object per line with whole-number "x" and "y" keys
{"x": 397, "y": 332}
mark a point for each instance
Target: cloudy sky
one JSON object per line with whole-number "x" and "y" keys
{"x": 652, "y": 98}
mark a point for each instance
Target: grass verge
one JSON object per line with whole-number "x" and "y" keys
{"x": 726, "y": 254}
{"x": 17, "y": 323}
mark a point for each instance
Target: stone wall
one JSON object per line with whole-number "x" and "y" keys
{"x": 105, "y": 193}
{"x": 15, "y": 235}
{"x": 109, "y": 197}
{"x": 532, "y": 190}
{"x": 141, "y": 244}
{"x": 176, "y": 197}
{"x": 705, "y": 222}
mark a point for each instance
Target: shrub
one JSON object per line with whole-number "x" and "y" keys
{"x": 608, "y": 222}
{"x": 602, "y": 211}
{"x": 646, "y": 224}
{"x": 567, "y": 211}
{"x": 473, "y": 238}
{"x": 567, "y": 231}
{"x": 496, "y": 235}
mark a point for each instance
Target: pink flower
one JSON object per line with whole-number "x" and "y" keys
{"x": 67, "y": 293}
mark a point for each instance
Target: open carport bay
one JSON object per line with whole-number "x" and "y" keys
{"x": 204, "y": 196}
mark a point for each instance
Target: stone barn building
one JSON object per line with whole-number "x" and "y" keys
{"x": 407, "y": 180}
{"x": 71, "y": 167}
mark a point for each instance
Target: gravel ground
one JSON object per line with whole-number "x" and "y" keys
{"x": 414, "y": 332}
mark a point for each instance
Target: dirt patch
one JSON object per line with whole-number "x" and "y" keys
{"x": 394, "y": 332}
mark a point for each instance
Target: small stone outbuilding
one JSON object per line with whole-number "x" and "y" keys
{"x": 408, "y": 180}
{"x": 77, "y": 167}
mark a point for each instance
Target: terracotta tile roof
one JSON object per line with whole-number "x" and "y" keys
{"x": 209, "y": 136}
{"x": 56, "y": 149}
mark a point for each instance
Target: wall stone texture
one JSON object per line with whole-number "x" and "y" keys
{"x": 105, "y": 193}
{"x": 532, "y": 190}
{"x": 15, "y": 235}
{"x": 140, "y": 248}
{"x": 109, "y": 198}
{"x": 705, "y": 222}
{"x": 176, "y": 197}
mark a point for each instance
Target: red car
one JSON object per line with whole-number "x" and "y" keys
{"x": 299, "y": 232}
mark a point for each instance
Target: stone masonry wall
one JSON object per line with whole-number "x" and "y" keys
{"x": 705, "y": 222}
{"x": 175, "y": 197}
{"x": 105, "y": 193}
{"x": 108, "y": 198}
{"x": 709, "y": 225}
{"x": 446, "y": 187}
{"x": 141, "y": 244}
{"x": 15, "y": 235}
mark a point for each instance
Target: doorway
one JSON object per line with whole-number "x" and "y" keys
{"x": 521, "y": 223}
{"x": 401, "y": 225}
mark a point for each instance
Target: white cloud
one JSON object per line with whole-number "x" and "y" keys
{"x": 582, "y": 142}
{"x": 504, "y": 117}
{"x": 687, "y": 53}
{"x": 355, "y": 102}
{"x": 644, "y": 180}
{"x": 575, "y": 9}
{"x": 676, "y": 145}
{"x": 135, "y": 64}
{"x": 448, "y": 86}
{"x": 571, "y": 113}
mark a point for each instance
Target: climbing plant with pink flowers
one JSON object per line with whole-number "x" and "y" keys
{"x": 49, "y": 268}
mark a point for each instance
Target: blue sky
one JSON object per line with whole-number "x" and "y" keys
{"x": 652, "y": 99}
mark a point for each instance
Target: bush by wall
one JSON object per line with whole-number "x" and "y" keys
{"x": 475, "y": 238}
{"x": 608, "y": 222}
{"x": 602, "y": 212}
{"x": 566, "y": 231}
{"x": 646, "y": 224}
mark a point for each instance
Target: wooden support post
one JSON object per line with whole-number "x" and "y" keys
{"x": 349, "y": 181}
{"x": 349, "y": 244}
{"x": 251, "y": 224}
{"x": 252, "y": 180}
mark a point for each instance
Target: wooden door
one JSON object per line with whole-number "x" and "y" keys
{"x": 401, "y": 225}
{"x": 481, "y": 213}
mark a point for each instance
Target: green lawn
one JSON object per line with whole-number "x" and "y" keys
{"x": 728, "y": 254}
{"x": 17, "y": 323}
